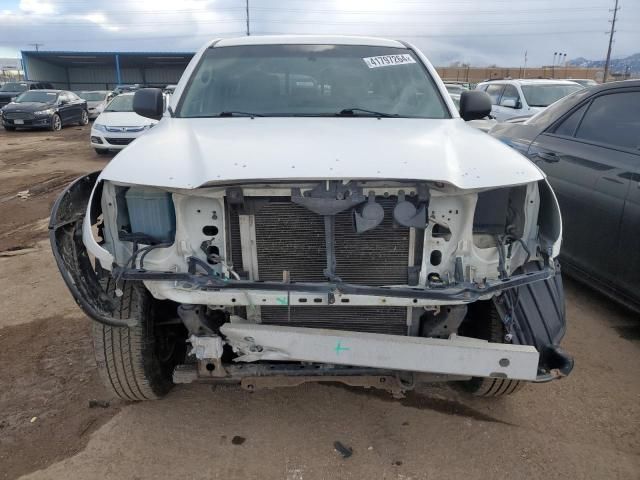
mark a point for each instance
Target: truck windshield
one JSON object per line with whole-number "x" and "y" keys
{"x": 311, "y": 80}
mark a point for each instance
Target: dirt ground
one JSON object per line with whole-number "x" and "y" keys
{"x": 56, "y": 420}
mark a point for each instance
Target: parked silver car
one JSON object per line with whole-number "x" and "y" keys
{"x": 96, "y": 101}
{"x": 524, "y": 98}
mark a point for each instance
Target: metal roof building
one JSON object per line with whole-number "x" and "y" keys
{"x": 104, "y": 70}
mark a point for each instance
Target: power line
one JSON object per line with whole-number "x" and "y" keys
{"x": 611, "y": 33}
{"x": 277, "y": 10}
{"x": 131, "y": 25}
{"x": 448, "y": 3}
{"x": 121, "y": 11}
{"x": 453, "y": 23}
{"x": 452, "y": 35}
{"x": 213, "y": 35}
{"x": 430, "y": 13}
{"x": 186, "y": 22}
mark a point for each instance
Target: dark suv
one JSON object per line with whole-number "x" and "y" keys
{"x": 13, "y": 89}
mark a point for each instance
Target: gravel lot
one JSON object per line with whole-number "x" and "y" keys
{"x": 586, "y": 426}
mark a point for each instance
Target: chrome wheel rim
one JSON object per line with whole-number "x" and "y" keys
{"x": 57, "y": 124}
{"x": 85, "y": 118}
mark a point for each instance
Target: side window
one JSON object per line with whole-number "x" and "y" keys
{"x": 613, "y": 119}
{"x": 569, "y": 124}
{"x": 494, "y": 92}
{"x": 510, "y": 97}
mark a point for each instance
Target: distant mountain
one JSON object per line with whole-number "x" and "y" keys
{"x": 618, "y": 65}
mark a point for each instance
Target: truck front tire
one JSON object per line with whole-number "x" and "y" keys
{"x": 136, "y": 363}
{"x": 484, "y": 322}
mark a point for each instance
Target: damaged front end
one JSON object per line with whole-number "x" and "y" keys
{"x": 348, "y": 279}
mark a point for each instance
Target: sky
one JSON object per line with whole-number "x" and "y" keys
{"x": 479, "y": 32}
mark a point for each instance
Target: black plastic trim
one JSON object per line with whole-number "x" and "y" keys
{"x": 467, "y": 292}
{"x": 79, "y": 274}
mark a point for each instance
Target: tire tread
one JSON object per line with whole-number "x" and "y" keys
{"x": 493, "y": 387}
{"x": 121, "y": 355}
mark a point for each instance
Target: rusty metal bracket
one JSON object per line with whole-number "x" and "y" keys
{"x": 388, "y": 383}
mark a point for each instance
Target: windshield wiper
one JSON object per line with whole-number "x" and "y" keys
{"x": 232, "y": 113}
{"x": 354, "y": 112}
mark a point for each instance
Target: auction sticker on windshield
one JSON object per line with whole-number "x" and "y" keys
{"x": 388, "y": 60}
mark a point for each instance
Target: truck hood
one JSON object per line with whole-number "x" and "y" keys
{"x": 189, "y": 153}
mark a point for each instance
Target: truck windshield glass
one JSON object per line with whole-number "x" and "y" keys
{"x": 37, "y": 96}
{"x": 13, "y": 87}
{"x": 311, "y": 80}
{"x": 122, "y": 103}
{"x": 545, "y": 95}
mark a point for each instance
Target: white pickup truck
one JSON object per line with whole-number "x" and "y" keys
{"x": 314, "y": 208}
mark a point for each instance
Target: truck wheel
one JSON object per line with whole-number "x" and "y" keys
{"x": 136, "y": 363}
{"x": 484, "y": 322}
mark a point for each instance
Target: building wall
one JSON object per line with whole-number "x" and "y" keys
{"x": 164, "y": 76}
{"x": 91, "y": 78}
{"x": 475, "y": 75}
{"x": 100, "y": 77}
{"x": 37, "y": 69}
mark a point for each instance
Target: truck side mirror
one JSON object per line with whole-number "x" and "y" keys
{"x": 148, "y": 102}
{"x": 474, "y": 105}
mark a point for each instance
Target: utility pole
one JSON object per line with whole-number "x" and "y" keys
{"x": 37, "y": 46}
{"x": 525, "y": 64}
{"x": 611, "y": 32}
{"x": 247, "y": 6}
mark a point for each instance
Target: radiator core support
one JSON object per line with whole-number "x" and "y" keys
{"x": 282, "y": 240}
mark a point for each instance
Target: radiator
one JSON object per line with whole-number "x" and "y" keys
{"x": 389, "y": 320}
{"x": 291, "y": 238}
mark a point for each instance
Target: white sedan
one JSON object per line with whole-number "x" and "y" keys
{"x": 118, "y": 125}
